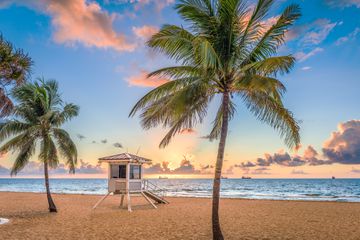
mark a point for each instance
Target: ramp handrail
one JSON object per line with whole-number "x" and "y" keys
{"x": 147, "y": 185}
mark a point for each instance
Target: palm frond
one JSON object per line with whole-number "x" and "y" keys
{"x": 26, "y": 151}
{"x": 267, "y": 85}
{"x": 16, "y": 143}
{"x": 252, "y": 31}
{"x": 67, "y": 148}
{"x": 67, "y": 113}
{"x": 160, "y": 92}
{"x": 187, "y": 119}
{"x": 272, "y": 112}
{"x": 275, "y": 36}
{"x": 12, "y": 127}
{"x": 175, "y": 42}
{"x": 200, "y": 13}
{"x": 170, "y": 108}
{"x": 271, "y": 66}
{"x": 48, "y": 152}
{"x": 176, "y": 72}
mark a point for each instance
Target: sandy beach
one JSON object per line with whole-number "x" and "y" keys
{"x": 183, "y": 218}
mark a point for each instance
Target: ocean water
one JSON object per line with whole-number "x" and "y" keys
{"x": 344, "y": 190}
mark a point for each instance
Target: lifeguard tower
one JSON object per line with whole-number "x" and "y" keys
{"x": 125, "y": 177}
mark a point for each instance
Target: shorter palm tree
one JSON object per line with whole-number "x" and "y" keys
{"x": 37, "y": 119}
{"x": 15, "y": 68}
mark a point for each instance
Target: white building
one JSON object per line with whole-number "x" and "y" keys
{"x": 125, "y": 177}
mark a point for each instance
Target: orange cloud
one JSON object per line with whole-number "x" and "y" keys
{"x": 3, "y": 154}
{"x": 142, "y": 80}
{"x": 85, "y": 22}
{"x": 188, "y": 131}
{"x": 80, "y": 21}
{"x": 145, "y": 32}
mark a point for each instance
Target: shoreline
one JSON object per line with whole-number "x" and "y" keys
{"x": 192, "y": 197}
{"x": 183, "y": 218}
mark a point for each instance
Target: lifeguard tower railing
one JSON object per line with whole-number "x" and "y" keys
{"x": 150, "y": 186}
{"x": 141, "y": 186}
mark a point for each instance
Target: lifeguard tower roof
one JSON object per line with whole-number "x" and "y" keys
{"x": 125, "y": 157}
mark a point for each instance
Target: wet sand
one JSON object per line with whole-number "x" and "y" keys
{"x": 183, "y": 218}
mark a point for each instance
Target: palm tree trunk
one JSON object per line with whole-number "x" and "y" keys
{"x": 217, "y": 234}
{"x": 52, "y": 207}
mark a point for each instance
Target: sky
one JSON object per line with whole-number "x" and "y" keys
{"x": 96, "y": 51}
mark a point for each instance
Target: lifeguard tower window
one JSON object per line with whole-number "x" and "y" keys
{"x": 118, "y": 171}
{"x": 135, "y": 172}
{"x": 122, "y": 171}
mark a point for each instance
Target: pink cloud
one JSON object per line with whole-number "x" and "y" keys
{"x": 3, "y": 154}
{"x": 145, "y": 32}
{"x": 320, "y": 31}
{"x": 303, "y": 56}
{"x": 349, "y": 37}
{"x": 187, "y": 131}
{"x": 142, "y": 80}
{"x": 80, "y": 21}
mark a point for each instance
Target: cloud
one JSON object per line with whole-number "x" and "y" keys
{"x": 88, "y": 168}
{"x": 306, "y": 68}
{"x": 313, "y": 33}
{"x": 298, "y": 172}
{"x": 343, "y": 3}
{"x": 185, "y": 168}
{"x": 37, "y": 168}
{"x": 118, "y": 145}
{"x": 302, "y": 56}
{"x": 145, "y": 32}
{"x": 4, "y": 171}
{"x": 158, "y": 168}
{"x": 245, "y": 165}
{"x": 256, "y": 171}
{"x": 319, "y": 31}
{"x": 80, "y": 22}
{"x": 355, "y": 170}
{"x": 281, "y": 158}
{"x": 230, "y": 170}
{"x": 141, "y": 80}
{"x": 188, "y": 131}
{"x": 260, "y": 171}
{"x": 205, "y": 167}
{"x": 343, "y": 147}
{"x": 80, "y": 137}
{"x": 349, "y": 37}
{"x": 309, "y": 36}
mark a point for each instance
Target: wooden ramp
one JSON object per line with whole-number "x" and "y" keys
{"x": 155, "y": 197}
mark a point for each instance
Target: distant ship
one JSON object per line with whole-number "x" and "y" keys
{"x": 332, "y": 177}
{"x": 244, "y": 177}
{"x": 163, "y": 177}
{"x": 223, "y": 177}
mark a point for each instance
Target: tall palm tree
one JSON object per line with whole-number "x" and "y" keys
{"x": 227, "y": 50}
{"x": 15, "y": 68}
{"x": 37, "y": 119}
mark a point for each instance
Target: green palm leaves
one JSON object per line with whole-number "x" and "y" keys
{"x": 227, "y": 48}
{"x": 15, "y": 67}
{"x": 37, "y": 120}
